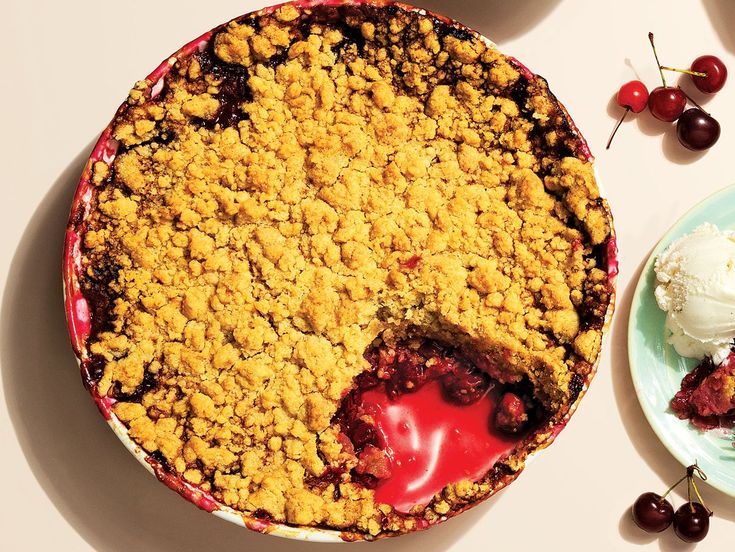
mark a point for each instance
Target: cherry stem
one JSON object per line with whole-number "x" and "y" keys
{"x": 699, "y": 496}
{"x": 691, "y": 481}
{"x": 674, "y": 486}
{"x": 655, "y": 54}
{"x": 688, "y": 97}
{"x": 685, "y": 71}
{"x": 615, "y": 130}
{"x": 694, "y": 468}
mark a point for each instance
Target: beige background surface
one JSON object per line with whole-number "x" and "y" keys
{"x": 68, "y": 484}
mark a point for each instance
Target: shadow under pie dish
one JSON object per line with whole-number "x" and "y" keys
{"x": 336, "y": 270}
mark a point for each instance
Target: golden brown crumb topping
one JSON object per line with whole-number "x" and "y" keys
{"x": 310, "y": 183}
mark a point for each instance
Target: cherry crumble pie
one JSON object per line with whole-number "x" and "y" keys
{"x": 324, "y": 235}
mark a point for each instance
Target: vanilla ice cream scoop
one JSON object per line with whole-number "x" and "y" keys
{"x": 696, "y": 288}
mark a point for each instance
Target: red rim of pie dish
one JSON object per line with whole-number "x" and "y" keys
{"x": 78, "y": 313}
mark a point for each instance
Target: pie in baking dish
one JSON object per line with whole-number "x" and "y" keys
{"x": 348, "y": 268}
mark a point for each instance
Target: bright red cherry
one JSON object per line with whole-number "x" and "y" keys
{"x": 633, "y": 96}
{"x": 667, "y": 103}
{"x": 715, "y": 70}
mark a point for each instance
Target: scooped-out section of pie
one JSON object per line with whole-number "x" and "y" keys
{"x": 346, "y": 266}
{"x": 425, "y": 417}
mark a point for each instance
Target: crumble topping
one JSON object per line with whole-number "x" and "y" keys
{"x": 312, "y": 182}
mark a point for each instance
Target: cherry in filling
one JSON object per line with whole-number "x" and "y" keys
{"x": 706, "y": 396}
{"x": 427, "y": 416}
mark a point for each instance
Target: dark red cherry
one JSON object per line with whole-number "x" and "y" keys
{"x": 652, "y": 512}
{"x": 363, "y": 435}
{"x": 667, "y": 103}
{"x": 464, "y": 386}
{"x": 511, "y": 414}
{"x": 633, "y": 95}
{"x": 697, "y": 130}
{"x": 716, "y": 74}
{"x": 691, "y": 522}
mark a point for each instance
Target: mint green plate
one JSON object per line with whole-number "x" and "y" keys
{"x": 657, "y": 369}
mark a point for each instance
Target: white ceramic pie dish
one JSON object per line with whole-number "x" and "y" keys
{"x": 78, "y": 311}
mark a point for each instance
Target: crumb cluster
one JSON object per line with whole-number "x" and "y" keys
{"x": 311, "y": 182}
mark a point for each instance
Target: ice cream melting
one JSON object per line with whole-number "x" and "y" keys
{"x": 696, "y": 289}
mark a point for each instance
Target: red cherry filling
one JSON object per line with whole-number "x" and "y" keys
{"x": 375, "y": 462}
{"x": 427, "y": 416}
{"x": 511, "y": 415}
{"x": 363, "y": 435}
{"x": 464, "y": 385}
{"x": 412, "y": 262}
{"x": 702, "y": 397}
{"x": 681, "y": 403}
{"x": 404, "y": 369}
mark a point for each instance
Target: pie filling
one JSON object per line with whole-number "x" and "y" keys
{"x": 426, "y": 416}
{"x": 707, "y": 395}
{"x": 348, "y": 268}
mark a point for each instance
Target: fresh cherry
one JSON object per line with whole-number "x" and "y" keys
{"x": 633, "y": 96}
{"x": 666, "y": 103}
{"x": 715, "y": 71}
{"x": 652, "y": 512}
{"x": 691, "y": 522}
{"x": 697, "y": 130}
